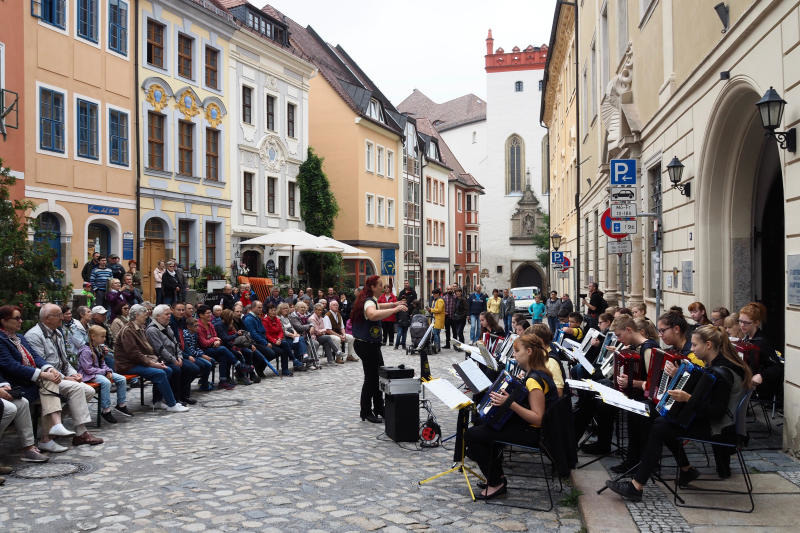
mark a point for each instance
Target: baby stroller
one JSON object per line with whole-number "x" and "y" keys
{"x": 419, "y": 325}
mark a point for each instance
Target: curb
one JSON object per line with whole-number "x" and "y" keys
{"x": 600, "y": 513}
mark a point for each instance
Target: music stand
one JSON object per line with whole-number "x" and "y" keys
{"x": 422, "y": 347}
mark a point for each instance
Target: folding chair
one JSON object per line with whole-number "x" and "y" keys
{"x": 741, "y": 435}
{"x": 516, "y": 447}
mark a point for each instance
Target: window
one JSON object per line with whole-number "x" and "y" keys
{"x": 469, "y": 203}
{"x": 370, "y": 156}
{"x": 655, "y": 206}
{"x": 185, "y": 147}
{"x": 435, "y": 191}
{"x": 87, "y": 20}
{"x": 460, "y": 242}
{"x": 212, "y": 154}
{"x": 434, "y": 232}
{"x": 247, "y": 104}
{"x": 441, "y": 193}
{"x": 184, "y": 238}
{"x": 51, "y": 12}
{"x": 247, "y": 187}
{"x": 185, "y": 56}
{"x": 270, "y": 113}
{"x": 427, "y": 189}
{"x": 211, "y": 243}
{"x": 515, "y": 161}
{"x": 459, "y": 201}
{"x": 474, "y": 137}
{"x": 272, "y": 185}
{"x": 370, "y": 206}
{"x": 155, "y": 43}
{"x": 593, "y": 87}
{"x": 290, "y": 110}
{"x": 380, "y": 160}
{"x": 374, "y": 110}
{"x": 389, "y": 164}
{"x": 212, "y": 65}
{"x": 155, "y": 141}
{"x": 428, "y": 231}
{"x": 541, "y": 85}
{"x": 390, "y": 212}
{"x": 441, "y": 233}
{"x": 87, "y": 129}
{"x": 292, "y": 199}
{"x": 118, "y": 26}
{"x": 51, "y": 120}
{"x": 381, "y": 207}
{"x": 118, "y": 137}
{"x": 518, "y": 86}
{"x": 433, "y": 151}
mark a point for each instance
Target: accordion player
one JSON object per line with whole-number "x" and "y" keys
{"x": 658, "y": 380}
{"x": 688, "y": 378}
{"x": 495, "y": 416}
{"x": 630, "y": 363}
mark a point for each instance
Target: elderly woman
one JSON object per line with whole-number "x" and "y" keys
{"x": 119, "y": 322}
{"x": 297, "y": 340}
{"x": 93, "y": 368}
{"x": 212, "y": 345}
{"x": 167, "y": 348}
{"x": 158, "y": 275}
{"x": 274, "y": 333}
{"x": 319, "y": 333}
{"x": 135, "y": 355}
{"x": 114, "y": 298}
{"x": 170, "y": 284}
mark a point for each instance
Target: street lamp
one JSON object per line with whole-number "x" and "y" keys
{"x": 675, "y": 171}
{"x": 555, "y": 239}
{"x": 770, "y": 108}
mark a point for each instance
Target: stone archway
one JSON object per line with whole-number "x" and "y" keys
{"x": 528, "y": 274}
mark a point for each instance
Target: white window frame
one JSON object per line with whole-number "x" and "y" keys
{"x": 460, "y": 280}
{"x": 442, "y": 233}
{"x": 195, "y": 56}
{"x": 67, "y": 18}
{"x": 220, "y": 69}
{"x": 278, "y": 195}
{"x": 100, "y": 128}
{"x": 370, "y": 209}
{"x": 278, "y": 114}
{"x": 390, "y": 164}
{"x": 128, "y": 32}
{"x": 369, "y": 156}
{"x": 460, "y": 242}
{"x": 253, "y": 105}
{"x": 435, "y": 232}
{"x": 107, "y": 137}
{"x": 100, "y": 31}
{"x": 459, "y": 201}
{"x": 380, "y": 151}
{"x": 256, "y": 193}
{"x": 390, "y": 212}
{"x": 380, "y": 210}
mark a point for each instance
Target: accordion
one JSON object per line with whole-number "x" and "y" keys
{"x": 694, "y": 380}
{"x": 750, "y": 354}
{"x": 605, "y": 361}
{"x": 627, "y": 362}
{"x": 657, "y": 379}
{"x": 496, "y": 416}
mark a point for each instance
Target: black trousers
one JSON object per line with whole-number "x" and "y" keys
{"x": 388, "y": 332}
{"x": 480, "y": 449}
{"x": 458, "y": 328}
{"x": 588, "y": 407}
{"x": 665, "y": 433}
{"x": 371, "y": 360}
{"x": 448, "y": 325}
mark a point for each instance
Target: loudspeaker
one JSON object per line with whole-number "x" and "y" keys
{"x": 402, "y": 417}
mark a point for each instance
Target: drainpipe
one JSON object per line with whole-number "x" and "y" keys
{"x": 421, "y": 260}
{"x": 138, "y": 235}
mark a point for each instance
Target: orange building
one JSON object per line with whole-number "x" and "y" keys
{"x": 12, "y": 76}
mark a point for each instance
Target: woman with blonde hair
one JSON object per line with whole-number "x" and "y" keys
{"x": 93, "y": 368}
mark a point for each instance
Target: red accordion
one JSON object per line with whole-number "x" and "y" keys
{"x": 750, "y": 353}
{"x": 627, "y": 362}
{"x": 657, "y": 379}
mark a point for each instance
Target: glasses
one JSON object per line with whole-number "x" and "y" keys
{"x": 16, "y": 318}
{"x": 745, "y": 322}
{"x": 662, "y": 330}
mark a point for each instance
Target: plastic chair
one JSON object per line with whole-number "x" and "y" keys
{"x": 741, "y": 434}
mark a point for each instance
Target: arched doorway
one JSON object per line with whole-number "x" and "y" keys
{"x": 154, "y": 250}
{"x": 49, "y": 233}
{"x": 740, "y": 222}
{"x": 99, "y": 239}
{"x": 527, "y": 275}
{"x": 251, "y": 259}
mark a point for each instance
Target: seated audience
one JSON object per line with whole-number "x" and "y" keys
{"x": 167, "y": 349}
{"x": 94, "y": 369}
{"x": 334, "y": 327}
{"x": 191, "y": 351}
{"x": 320, "y": 333}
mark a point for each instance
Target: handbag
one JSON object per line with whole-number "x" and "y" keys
{"x": 243, "y": 341}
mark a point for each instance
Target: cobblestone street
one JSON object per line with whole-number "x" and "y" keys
{"x": 284, "y": 455}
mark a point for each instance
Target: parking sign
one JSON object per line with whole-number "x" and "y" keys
{"x": 623, "y": 172}
{"x": 557, "y": 258}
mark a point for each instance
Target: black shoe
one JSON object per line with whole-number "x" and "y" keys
{"x": 499, "y": 492}
{"x": 624, "y": 467}
{"x": 124, "y": 411}
{"x": 625, "y": 489}
{"x": 596, "y": 448}
{"x": 686, "y": 477}
{"x": 188, "y": 401}
{"x": 483, "y": 485}
{"x": 372, "y": 418}
{"x": 108, "y": 417}
{"x": 724, "y": 470}
{"x": 255, "y": 378}
{"x": 446, "y": 346}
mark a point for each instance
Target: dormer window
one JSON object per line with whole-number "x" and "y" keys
{"x": 267, "y": 27}
{"x": 433, "y": 153}
{"x": 374, "y": 111}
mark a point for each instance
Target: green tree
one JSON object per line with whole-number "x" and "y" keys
{"x": 542, "y": 240}
{"x": 318, "y": 208}
{"x": 28, "y": 276}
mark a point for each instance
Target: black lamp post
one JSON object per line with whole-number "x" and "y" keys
{"x": 555, "y": 240}
{"x": 770, "y": 108}
{"x": 675, "y": 171}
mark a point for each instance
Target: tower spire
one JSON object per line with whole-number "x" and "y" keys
{"x": 489, "y": 43}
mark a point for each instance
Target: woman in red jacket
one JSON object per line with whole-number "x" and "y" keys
{"x": 388, "y": 322}
{"x": 274, "y": 330}
{"x": 212, "y": 346}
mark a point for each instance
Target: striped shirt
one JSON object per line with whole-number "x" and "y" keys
{"x": 99, "y": 278}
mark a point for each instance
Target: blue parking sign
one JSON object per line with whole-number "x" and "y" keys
{"x": 557, "y": 258}
{"x": 623, "y": 171}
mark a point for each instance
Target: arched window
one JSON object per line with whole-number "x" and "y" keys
{"x": 49, "y": 232}
{"x": 518, "y": 86}
{"x": 515, "y": 162}
{"x": 154, "y": 229}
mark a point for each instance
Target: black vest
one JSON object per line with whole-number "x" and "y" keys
{"x": 367, "y": 330}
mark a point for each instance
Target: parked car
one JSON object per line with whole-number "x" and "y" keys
{"x": 624, "y": 194}
{"x": 523, "y": 298}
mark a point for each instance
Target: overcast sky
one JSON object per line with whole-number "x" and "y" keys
{"x": 436, "y": 46}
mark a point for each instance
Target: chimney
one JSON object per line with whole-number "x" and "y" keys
{"x": 489, "y": 43}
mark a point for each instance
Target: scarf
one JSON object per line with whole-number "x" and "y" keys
{"x": 27, "y": 358}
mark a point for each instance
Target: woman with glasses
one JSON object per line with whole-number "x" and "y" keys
{"x": 766, "y": 366}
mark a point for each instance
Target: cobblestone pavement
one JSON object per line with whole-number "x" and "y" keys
{"x": 284, "y": 455}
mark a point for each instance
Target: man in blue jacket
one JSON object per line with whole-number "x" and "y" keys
{"x": 477, "y": 305}
{"x": 252, "y": 322}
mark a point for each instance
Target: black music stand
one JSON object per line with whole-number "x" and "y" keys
{"x": 654, "y": 477}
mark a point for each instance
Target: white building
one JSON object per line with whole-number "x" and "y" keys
{"x": 269, "y": 109}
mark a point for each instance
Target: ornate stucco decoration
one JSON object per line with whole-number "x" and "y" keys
{"x": 272, "y": 153}
{"x": 157, "y": 97}
{"x": 213, "y": 115}
{"x": 272, "y": 83}
{"x": 187, "y": 104}
{"x": 526, "y": 219}
{"x": 611, "y": 106}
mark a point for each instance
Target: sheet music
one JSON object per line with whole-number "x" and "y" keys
{"x": 574, "y": 351}
{"x": 580, "y": 384}
{"x": 488, "y": 358}
{"x": 478, "y": 353}
{"x": 447, "y": 393}
{"x": 475, "y": 379}
{"x": 612, "y": 396}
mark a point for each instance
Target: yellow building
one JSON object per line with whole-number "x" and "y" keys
{"x": 183, "y": 88}
{"x": 356, "y": 129}
{"x": 78, "y": 105}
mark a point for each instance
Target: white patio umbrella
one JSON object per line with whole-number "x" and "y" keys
{"x": 346, "y": 248}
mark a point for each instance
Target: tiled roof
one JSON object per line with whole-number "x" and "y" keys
{"x": 462, "y": 110}
{"x": 426, "y": 128}
{"x": 227, "y": 4}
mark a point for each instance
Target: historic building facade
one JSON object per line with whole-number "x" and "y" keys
{"x": 730, "y": 237}
{"x": 185, "y": 193}
{"x": 12, "y": 89}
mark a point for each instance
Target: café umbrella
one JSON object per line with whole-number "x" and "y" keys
{"x": 298, "y": 240}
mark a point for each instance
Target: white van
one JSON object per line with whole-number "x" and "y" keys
{"x": 523, "y": 298}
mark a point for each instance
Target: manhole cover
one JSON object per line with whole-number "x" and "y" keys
{"x": 52, "y": 469}
{"x": 218, "y": 404}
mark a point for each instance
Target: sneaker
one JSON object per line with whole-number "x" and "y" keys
{"x": 60, "y": 431}
{"x": 686, "y": 477}
{"x": 339, "y": 361}
{"x": 86, "y": 438}
{"x": 188, "y": 401}
{"x": 625, "y": 489}
{"x": 352, "y": 358}
{"x": 52, "y": 447}
{"x": 7, "y": 469}
{"x": 159, "y": 405}
{"x": 34, "y": 456}
{"x": 177, "y": 408}
{"x": 254, "y": 377}
{"x": 243, "y": 380}
{"x": 226, "y": 385}
{"x": 205, "y": 387}
{"x": 123, "y": 410}
{"x": 287, "y": 373}
{"x": 108, "y": 417}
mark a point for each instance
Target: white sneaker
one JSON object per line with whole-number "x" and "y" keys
{"x": 177, "y": 408}
{"x": 60, "y": 431}
{"x": 52, "y": 447}
{"x": 160, "y": 405}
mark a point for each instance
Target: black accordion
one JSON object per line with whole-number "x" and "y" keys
{"x": 496, "y": 416}
{"x": 692, "y": 379}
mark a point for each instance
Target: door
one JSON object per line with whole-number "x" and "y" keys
{"x": 152, "y": 253}
{"x": 50, "y": 233}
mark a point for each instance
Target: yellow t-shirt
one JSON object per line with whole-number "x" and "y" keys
{"x": 532, "y": 385}
{"x": 555, "y": 368}
{"x": 493, "y": 305}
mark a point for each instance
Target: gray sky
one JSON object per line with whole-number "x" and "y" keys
{"x": 436, "y": 46}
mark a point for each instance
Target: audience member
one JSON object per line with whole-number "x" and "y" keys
{"x": 94, "y": 369}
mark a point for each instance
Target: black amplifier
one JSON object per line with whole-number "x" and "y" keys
{"x": 395, "y": 372}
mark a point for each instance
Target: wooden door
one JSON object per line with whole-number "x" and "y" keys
{"x": 152, "y": 253}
